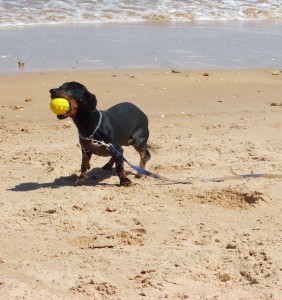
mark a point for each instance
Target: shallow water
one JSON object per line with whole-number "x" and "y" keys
{"x": 200, "y": 45}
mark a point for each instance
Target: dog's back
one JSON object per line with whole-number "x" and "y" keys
{"x": 127, "y": 123}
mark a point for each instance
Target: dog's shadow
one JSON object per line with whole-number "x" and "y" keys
{"x": 95, "y": 177}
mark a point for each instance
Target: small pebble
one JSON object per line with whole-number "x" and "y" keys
{"x": 231, "y": 246}
{"x": 21, "y": 64}
{"x": 224, "y": 277}
{"x": 110, "y": 209}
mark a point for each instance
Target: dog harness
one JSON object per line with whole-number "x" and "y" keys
{"x": 91, "y": 137}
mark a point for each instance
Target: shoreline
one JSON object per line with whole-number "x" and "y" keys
{"x": 198, "y": 45}
{"x": 188, "y": 89}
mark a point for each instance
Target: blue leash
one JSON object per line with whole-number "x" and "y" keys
{"x": 114, "y": 151}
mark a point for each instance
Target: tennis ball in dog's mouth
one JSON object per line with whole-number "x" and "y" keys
{"x": 59, "y": 106}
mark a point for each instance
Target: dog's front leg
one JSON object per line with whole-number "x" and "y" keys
{"x": 85, "y": 165}
{"x": 124, "y": 181}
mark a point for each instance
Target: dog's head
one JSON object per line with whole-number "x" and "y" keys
{"x": 78, "y": 96}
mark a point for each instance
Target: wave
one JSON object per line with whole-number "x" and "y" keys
{"x": 41, "y": 12}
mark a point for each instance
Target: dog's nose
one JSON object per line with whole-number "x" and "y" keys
{"x": 53, "y": 92}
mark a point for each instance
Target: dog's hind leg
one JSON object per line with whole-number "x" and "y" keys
{"x": 108, "y": 166}
{"x": 144, "y": 157}
{"x": 85, "y": 165}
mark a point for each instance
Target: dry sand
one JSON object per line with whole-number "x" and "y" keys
{"x": 154, "y": 240}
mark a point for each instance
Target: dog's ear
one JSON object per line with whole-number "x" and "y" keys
{"x": 80, "y": 94}
{"x": 90, "y": 101}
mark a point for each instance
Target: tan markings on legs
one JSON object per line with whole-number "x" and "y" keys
{"x": 85, "y": 165}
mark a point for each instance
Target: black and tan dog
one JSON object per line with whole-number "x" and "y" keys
{"x": 121, "y": 125}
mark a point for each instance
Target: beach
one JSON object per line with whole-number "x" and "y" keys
{"x": 209, "y": 78}
{"x": 216, "y": 237}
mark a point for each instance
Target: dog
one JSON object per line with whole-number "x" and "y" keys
{"x": 123, "y": 124}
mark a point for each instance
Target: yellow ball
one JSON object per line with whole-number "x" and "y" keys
{"x": 59, "y": 106}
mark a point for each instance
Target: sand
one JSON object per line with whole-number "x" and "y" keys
{"x": 153, "y": 240}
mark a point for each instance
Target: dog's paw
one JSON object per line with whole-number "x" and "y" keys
{"x": 125, "y": 182}
{"x": 80, "y": 180}
{"x": 138, "y": 175}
